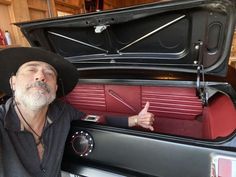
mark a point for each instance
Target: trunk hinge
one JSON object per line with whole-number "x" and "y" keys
{"x": 200, "y": 83}
{"x": 198, "y": 47}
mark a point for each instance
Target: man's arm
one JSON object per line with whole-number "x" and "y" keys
{"x": 144, "y": 119}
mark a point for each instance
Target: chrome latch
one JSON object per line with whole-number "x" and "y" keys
{"x": 100, "y": 28}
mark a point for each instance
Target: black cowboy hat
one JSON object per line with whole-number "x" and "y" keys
{"x": 12, "y": 58}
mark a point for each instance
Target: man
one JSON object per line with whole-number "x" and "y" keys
{"x": 33, "y": 124}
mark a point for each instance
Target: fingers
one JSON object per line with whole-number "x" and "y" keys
{"x": 146, "y": 115}
{"x": 147, "y": 126}
{"x": 145, "y": 109}
{"x": 146, "y": 121}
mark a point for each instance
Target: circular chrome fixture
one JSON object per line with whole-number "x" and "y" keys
{"x": 82, "y": 143}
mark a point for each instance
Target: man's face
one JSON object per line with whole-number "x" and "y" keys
{"x": 35, "y": 84}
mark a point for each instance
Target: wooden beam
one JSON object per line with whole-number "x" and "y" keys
{"x": 37, "y": 8}
{"x": 66, "y": 5}
{"x": 5, "y": 2}
{"x": 19, "y": 12}
{"x": 52, "y": 8}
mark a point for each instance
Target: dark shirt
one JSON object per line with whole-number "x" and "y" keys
{"x": 19, "y": 155}
{"x": 18, "y": 150}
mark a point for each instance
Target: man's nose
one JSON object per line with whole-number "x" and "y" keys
{"x": 40, "y": 76}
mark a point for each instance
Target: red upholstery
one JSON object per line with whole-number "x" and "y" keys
{"x": 123, "y": 99}
{"x": 169, "y": 102}
{"x": 178, "y": 110}
{"x": 172, "y": 102}
{"x": 219, "y": 117}
{"x": 180, "y": 127}
{"x": 88, "y": 97}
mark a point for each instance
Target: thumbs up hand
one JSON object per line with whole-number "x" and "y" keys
{"x": 144, "y": 119}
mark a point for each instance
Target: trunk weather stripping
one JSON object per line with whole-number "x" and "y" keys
{"x": 152, "y": 32}
{"x": 77, "y": 41}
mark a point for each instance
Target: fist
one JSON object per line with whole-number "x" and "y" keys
{"x": 144, "y": 119}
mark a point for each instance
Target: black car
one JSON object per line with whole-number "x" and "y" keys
{"x": 173, "y": 54}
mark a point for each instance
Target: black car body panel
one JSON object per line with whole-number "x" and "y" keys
{"x": 176, "y": 35}
{"x": 142, "y": 154}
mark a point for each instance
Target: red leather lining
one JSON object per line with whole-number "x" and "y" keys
{"x": 172, "y": 102}
{"x": 180, "y": 127}
{"x": 219, "y": 117}
{"x": 123, "y": 99}
{"x": 178, "y": 110}
{"x": 88, "y": 97}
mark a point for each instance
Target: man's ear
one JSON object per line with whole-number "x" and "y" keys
{"x": 12, "y": 82}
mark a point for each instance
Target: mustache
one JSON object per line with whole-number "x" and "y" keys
{"x": 41, "y": 85}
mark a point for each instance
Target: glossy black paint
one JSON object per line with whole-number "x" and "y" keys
{"x": 167, "y": 36}
{"x": 128, "y": 152}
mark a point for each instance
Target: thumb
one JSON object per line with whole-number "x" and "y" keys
{"x": 145, "y": 109}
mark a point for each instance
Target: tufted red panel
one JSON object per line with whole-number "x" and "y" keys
{"x": 178, "y": 110}
{"x": 172, "y": 102}
{"x": 175, "y": 109}
{"x": 88, "y": 97}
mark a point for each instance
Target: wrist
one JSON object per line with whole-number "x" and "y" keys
{"x": 133, "y": 121}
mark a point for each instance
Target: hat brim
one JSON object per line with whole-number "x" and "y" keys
{"x": 12, "y": 58}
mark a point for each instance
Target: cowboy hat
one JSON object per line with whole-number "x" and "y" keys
{"x": 12, "y": 58}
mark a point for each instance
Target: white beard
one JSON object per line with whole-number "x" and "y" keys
{"x": 33, "y": 100}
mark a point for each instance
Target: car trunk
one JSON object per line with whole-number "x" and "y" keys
{"x": 173, "y": 54}
{"x": 188, "y": 131}
{"x": 127, "y": 57}
{"x": 178, "y": 111}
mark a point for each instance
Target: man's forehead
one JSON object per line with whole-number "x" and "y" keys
{"x": 37, "y": 64}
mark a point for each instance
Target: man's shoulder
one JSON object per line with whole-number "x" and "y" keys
{"x": 2, "y": 113}
{"x": 61, "y": 104}
{"x": 4, "y": 107}
{"x": 4, "y": 99}
{"x": 65, "y": 108}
